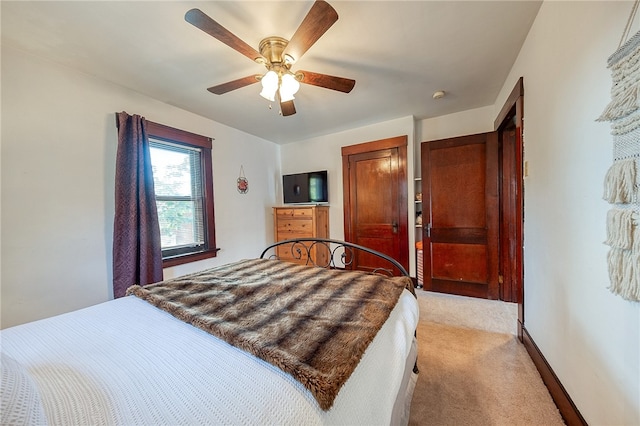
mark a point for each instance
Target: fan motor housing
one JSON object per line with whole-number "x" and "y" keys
{"x": 272, "y": 47}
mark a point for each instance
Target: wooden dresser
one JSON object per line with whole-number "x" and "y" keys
{"x": 302, "y": 222}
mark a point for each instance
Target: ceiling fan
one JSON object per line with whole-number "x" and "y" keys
{"x": 278, "y": 55}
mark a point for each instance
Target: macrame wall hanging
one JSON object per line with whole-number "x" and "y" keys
{"x": 622, "y": 181}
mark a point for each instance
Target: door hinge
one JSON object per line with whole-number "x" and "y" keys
{"x": 500, "y": 279}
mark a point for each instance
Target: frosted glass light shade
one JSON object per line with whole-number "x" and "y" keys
{"x": 288, "y": 87}
{"x": 269, "y": 85}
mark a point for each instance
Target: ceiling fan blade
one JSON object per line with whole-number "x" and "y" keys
{"x": 287, "y": 108}
{"x": 200, "y": 20}
{"x": 327, "y": 81}
{"x": 233, "y": 85}
{"x": 319, "y": 19}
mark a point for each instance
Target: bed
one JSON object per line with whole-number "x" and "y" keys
{"x": 259, "y": 341}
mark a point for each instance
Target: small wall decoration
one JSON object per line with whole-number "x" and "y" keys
{"x": 243, "y": 183}
{"x": 622, "y": 181}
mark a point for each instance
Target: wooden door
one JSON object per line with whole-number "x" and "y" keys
{"x": 510, "y": 127}
{"x": 375, "y": 199}
{"x": 461, "y": 215}
{"x": 510, "y": 214}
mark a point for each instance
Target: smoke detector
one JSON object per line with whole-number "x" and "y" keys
{"x": 439, "y": 94}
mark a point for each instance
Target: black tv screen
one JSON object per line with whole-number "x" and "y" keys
{"x": 308, "y": 187}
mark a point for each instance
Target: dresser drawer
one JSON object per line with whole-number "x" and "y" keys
{"x": 300, "y": 227}
{"x": 295, "y": 213}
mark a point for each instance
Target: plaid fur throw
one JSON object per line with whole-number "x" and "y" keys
{"x": 312, "y": 323}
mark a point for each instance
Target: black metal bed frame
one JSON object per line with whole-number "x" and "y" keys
{"x": 301, "y": 246}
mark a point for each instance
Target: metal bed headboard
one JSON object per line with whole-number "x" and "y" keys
{"x": 346, "y": 250}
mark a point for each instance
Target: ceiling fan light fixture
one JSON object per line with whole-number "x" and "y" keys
{"x": 269, "y": 85}
{"x": 289, "y": 86}
{"x": 288, "y": 59}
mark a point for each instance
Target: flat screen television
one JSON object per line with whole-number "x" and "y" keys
{"x": 310, "y": 187}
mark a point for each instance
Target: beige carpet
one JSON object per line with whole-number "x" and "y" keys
{"x": 473, "y": 370}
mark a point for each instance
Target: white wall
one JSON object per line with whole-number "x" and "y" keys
{"x": 58, "y": 155}
{"x": 589, "y": 336}
{"x": 324, "y": 153}
{"x": 479, "y": 120}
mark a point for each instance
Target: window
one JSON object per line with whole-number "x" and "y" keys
{"x": 183, "y": 184}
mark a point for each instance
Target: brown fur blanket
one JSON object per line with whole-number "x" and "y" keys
{"x": 312, "y": 323}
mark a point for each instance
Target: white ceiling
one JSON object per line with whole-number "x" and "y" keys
{"x": 399, "y": 53}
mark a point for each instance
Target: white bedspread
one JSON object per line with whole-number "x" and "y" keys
{"x": 126, "y": 362}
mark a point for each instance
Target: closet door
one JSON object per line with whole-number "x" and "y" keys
{"x": 375, "y": 200}
{"x": 461, "y": 215}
